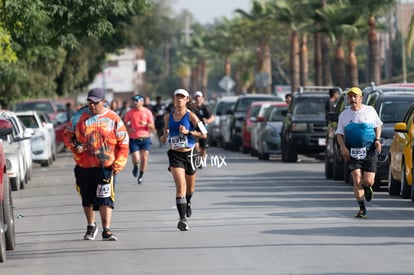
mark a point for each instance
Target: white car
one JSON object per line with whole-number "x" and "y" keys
{"x": 219, "y": 111}
{"x": 43, "y": 140}
{"x": 17, "y": 147}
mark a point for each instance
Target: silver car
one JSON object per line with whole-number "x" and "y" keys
{"x": 268, "y": 132}
{"x": 220, "y": 109}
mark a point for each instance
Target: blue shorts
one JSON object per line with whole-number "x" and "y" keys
{"x": 87, "y": 180}
{"x": 138, "y": 144}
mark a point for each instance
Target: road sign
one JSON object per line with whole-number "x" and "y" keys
{"x": 227, "y": 83}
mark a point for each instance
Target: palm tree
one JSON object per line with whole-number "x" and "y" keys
{"x": 342, "y": 23}
{"x": 293, "y": 15}
{"x": 371, "y": 9}
{"x": 261, "y": 24}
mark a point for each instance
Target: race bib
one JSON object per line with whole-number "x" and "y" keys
{"x": 359, "y": 153}
{"x": 103, "y": 190}
{"x": 178, "y": 142}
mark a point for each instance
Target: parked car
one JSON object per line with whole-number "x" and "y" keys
{"x": 42, "y": 105}
{"x": 43, "y": 143}
{"x": 7, "y": 230}
{"x": 250, "y": 124}
{"x": 400, "y": 170}
{"x": 220, "y": 109}
{"x": 268, "y": 131}
{"x": 17, "y": 147}
{"x": 304, "y": 127}
{"x": 237, "y": 115}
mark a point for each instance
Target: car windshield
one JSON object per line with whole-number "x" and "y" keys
{"x": 309, "y": 106}
{"x": 393, "y": 111}
{"x": 33, "y": 106}
{"x": 255, "y": 111}
{"x": 274, "y": 113}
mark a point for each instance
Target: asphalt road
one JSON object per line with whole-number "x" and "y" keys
{"x": 249, "y": 217}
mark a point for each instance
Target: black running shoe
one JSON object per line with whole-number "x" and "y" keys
{"x": 107, "y": 235}
{"x": 189, "y": 211}
{"x": 362, "y": 213}
{"x": 368, "y": 193}
{"x": 140, "y": 180}
{"x": 135, "y": 171}
{"x": 182, "y": 224}
{"x": 91, "y": 231}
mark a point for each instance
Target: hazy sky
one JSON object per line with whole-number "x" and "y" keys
{"x": 205, "y": 11}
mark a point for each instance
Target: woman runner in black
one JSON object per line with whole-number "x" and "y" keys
{"x": 182, "y": 127}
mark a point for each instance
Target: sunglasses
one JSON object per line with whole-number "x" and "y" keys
{"x": 93, "y": 103}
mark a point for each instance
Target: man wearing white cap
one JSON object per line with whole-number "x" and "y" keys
{"x": 205, "y": 115}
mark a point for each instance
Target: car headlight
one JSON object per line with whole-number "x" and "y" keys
{"x": 299, "y": 126}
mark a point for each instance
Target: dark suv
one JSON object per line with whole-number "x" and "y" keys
{"x": 238, "y": 114}
{"x": 304, "y": 128}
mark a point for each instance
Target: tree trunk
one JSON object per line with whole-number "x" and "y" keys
{"x": 326, "y": 61}
{"x": 227, "y": 66}
{"x": 267, "y": 68}
{"x": 204, "y": 77}
{"x": 374, "y": 63}
{"x": 294, "y": 61}
{"x": 317, "y": 59}
{"x": 339, "y": 65}
{"x": 304, "y": 72}
{"x": 194, "y": 78}
{"x": 352, "y": 65}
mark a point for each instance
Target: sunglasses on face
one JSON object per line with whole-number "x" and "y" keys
{"x": 93, "y": 103}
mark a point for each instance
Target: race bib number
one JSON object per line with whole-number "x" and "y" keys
{"x": 178, "y": 142}
{"x": 359, "y": 153}
{"x": 103, "y": 190}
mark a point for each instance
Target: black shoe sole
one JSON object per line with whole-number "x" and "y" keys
{"x": 182, "y": 226}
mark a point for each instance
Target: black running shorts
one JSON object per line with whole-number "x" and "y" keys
{"x": 183, "y": 160}
{"x": 368, "y": 164}
{"x": 87, "y": 180}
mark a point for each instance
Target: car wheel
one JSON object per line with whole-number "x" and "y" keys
{"x": 406, "y": 189}
{"x": 337, "y": 169}
{"x": 22, "y": 183}
{"x": 2, "y": 243}
{"x": 14, "y": 185}
{"x": 412, "y": 194}
{"x": 291, "y": 154}
{"x": 377, "y": 184}
{"x": 8, "y": 215}
{"x": 394, "y": 186}
{"x": 328, "y": 167}
{"x": 284, "y": 153}
{"x": 347, "y": 174}
{"x": 265, "y": 156}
